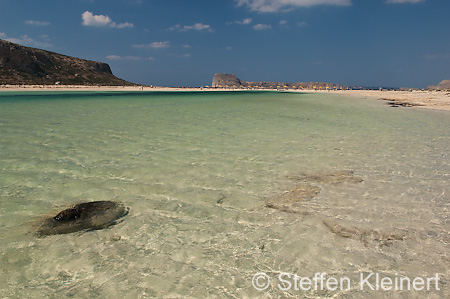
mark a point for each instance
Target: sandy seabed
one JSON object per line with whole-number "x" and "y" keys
{"x": 221, "y": 188}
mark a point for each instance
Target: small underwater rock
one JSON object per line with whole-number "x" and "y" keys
{"x": 287, "y": 209}
{"x": 338, "y": 177}
{"x": 286, "y": 202}
{"x": 115, "y": 238}
{"x": 84, "y": 216}
{"x": 307, "y": 190}
{"x": 302, "y": 192}
{"x": 366, "y": 236}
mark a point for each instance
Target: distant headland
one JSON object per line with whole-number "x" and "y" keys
{"x": 30, "y": 66}
{"x": 443, "y": 85}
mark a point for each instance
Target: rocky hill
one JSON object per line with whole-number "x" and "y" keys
{"x": 24, "y": 65}
{"x": 225, "y": 80}
{"x": 444, "y": 84}
{"x": 230, "y": 80}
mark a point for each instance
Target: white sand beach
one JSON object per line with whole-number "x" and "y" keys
{"x": 429, "y": 99}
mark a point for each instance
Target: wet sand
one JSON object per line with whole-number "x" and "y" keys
{"x": 429, "y": 99}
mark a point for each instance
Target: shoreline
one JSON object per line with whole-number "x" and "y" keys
{"x": 428, "y": 99}
{"x": 88, "y": 88}
{"x": 108, "y": 88}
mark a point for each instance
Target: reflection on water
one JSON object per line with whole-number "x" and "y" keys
{"x": 221, "y": 186}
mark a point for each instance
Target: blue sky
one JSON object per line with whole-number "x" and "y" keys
{"x": 399, "y": 43}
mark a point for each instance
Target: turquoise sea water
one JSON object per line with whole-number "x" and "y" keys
{"x": 210, "y": 179}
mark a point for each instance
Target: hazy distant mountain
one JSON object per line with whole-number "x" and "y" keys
{"x": 231, "y": 80}
{"x": 24, "y": 65}
{"x": 444, "y": 84}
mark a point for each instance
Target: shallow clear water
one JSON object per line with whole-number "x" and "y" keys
{"x": 207, "y": 177}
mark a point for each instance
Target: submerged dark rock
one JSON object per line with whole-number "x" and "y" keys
{"x": 308, "y": 190}
{"x": 333, "y": 178}
{"x": 84, "y": 216}
{"x": 366, "y": 236}
{"x": 286, "y": 202}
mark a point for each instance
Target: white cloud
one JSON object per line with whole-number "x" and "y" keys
{"x": 176, "y": 27}
{"x": 2, "y": 35}
{"x": 262, "y": 27}
{"x": 159, "y": 45}
{"x": 113, "y": 57}
{"x": 18, "y": 41}
{"x": 228, "y": 48}
{"x": 283, "y": 22}
{"x": 186, "y": 55}
{"x": 37, "y": 23}
{"x": 302, "y": 24}
{"x": 25, "y": 40}
{"x": 187, "y": 46}
{"x": 129, "y": 58}
{"x": 117, "y": 57}
{"x": 404, "y": 1}
{"x": 245, "y": 21}
{"x": 154, "y": 45}
{"x": 278, "y": 5}
{"x": 438, "y": 56}
{"x": 124, "y": 25}
{"x": 89, "y": 19}
{"x": 196, "y": 26}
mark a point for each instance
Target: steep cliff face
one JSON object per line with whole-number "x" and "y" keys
{"x": 24, "y": 65}
{"x": 444, "y": 84}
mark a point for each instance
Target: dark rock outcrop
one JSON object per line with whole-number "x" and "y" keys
{"x": 24, "y": 65}
{"x": 226, "y": 80}
{"x": 84, "y": 216}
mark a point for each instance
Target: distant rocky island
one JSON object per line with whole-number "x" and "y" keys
{"x": 30, "y": 66}
{"x": 230, "y": 80}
